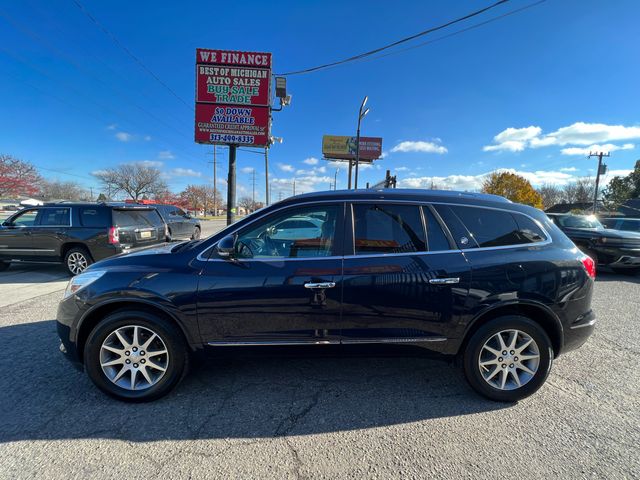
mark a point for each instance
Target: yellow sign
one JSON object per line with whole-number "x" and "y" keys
{"x": 337, "y": 146}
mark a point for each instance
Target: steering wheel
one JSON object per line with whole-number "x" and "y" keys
{"x": 270, "y": 247}
{"x": 250, "y": 248}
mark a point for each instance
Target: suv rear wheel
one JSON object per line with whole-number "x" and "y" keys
{"x": 196, "y": 234}
{"x": 4, "y": 266}
{"x": 77, "y": 259}
{"x": 135, "y": 356}
{"x": 508, "y": 358}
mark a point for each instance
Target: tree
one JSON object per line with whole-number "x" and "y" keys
{"x": 134, "y": 179}
{"x": 621, "y": 189}
{"x": 18, "y": 178}
{"x": 512, "y": 186}
{"x": 551, "y": 195}
{"x": 585, "y": 189}
{"x": 247, "y": 203}
{"x": 58, "y": 190}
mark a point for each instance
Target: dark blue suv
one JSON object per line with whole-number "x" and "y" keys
{"x": 493, "y": 282}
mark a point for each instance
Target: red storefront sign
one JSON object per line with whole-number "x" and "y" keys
{"x": 233, "y": 93}
{"x": 232, "y": 124}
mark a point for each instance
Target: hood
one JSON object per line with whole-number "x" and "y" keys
{"x": 148, "y": 256}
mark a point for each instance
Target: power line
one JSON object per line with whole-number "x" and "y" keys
{"x": 398, "y": 42}
{"x": 457, "y": 32}
{"x": 119, "y": 44}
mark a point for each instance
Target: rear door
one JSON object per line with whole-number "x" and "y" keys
{"x": 15, "y": 235}
{"x": 403, "y": 280}
{"x": 138, "y": 227}
{"x": 50, "y": 230}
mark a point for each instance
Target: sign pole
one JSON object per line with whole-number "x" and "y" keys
{"x": 231, "y": 186}
{"x": 357, "y": 153}
{"x": 266, "y": 175}
{"x": 349, "y": 182}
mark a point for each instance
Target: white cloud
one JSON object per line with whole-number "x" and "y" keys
{"x": 184, "y": 172}
{"x": 150, "y": 163}
{"x": 579, "y": 133}
{"x": 311, "y": 161}
{"x": 285, "y": 167}
{"x": 113, "y": 126}
{"x": 166, "y": 155}
{"x": 124, "y": 136}
{"x": 607, "y": 147}
{"x": 147, "y": 138}
{"x": 246, "y": 170}
{"x": 419, "y": 146}
{"x": 402, "y": 169}
{"x": 569, "y": 169}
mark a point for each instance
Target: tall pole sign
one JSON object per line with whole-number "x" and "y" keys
{"x": 233, "y": 99}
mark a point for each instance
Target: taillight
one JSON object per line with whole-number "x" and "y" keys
{"x": 114, "y": 236}
{"x": 589, "y": 265}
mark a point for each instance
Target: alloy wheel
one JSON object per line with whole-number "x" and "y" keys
{"x": 134, "y": 357}
{"x": 77, "y": 263}
{"x": 509, "y": 359}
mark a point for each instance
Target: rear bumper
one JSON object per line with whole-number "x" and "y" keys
{"x": 579, "y": 331}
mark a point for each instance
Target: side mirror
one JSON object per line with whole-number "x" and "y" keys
{"x": 226, "y": 247}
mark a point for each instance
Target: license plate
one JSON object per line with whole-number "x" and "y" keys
{"x": 145, "y": 234}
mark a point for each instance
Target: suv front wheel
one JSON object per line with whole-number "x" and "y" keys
{"x": 508, "y": 358}
{"x": 135, "y": 356}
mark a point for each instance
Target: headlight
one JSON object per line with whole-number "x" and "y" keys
{"x": 78, "y": 282}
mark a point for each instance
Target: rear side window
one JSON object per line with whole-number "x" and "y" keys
{"x": 437, "y": 240}
{"x": 94, "y": 217}
{"x": 54, "y": 217}
{"x": 388, "y": 229}
{"x": 497, "y": 228}
{"x": 137, "y": 218}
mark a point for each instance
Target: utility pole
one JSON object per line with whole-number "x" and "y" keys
{"x": 231, "y": 186}
{"x": 600, "y": 171}
{"x": 294, "y": 187}
{"x": 215, "y": 182}
{"x": 280, "y": 195}
{"x": 335, "y": 179}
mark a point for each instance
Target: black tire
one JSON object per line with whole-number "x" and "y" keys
{"x": 4, "y": 266}
{"x": 196, "y": 234}
{"x": 626, "y": 271}
{"x": 77, "y": 259}
{"x": 169, "y": 334}
{"x": 474, "y": 349}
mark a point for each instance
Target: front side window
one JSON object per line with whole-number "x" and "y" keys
{"x": 25, "y": 219}
{"x": 387, "y": 228}
{"x": 299, "y": 232}
{"x": 54, "y": 217}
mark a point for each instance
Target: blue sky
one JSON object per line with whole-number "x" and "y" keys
{"x": 530, "y": 92}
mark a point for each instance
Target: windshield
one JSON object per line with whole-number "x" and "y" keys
{"x": 580, "y": 221}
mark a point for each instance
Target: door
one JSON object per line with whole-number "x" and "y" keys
{"x": 404, "y": 281}
{"x": 282, "y": 288}
{"x": 50, "y": 231}
{"x": 184, "y": 225}
{"x": 15, "y": 235}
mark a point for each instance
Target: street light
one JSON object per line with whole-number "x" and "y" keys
{"x": 361, "y": 115}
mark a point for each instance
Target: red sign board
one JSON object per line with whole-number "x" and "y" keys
{"x": 232, "y": 124}
{"x": 233, "y": 92}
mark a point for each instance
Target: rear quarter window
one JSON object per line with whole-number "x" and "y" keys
{"x": 137, "y": 218}
{"x": 94, "y": 217}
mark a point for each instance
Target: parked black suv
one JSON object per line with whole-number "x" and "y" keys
{"x": 78, "y": 234}
{"x": 494, "y": 282}
{"x": 181, "y": 225}
{"x": 617, "y": 249}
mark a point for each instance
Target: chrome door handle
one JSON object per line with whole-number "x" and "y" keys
{"x": 444, "y": 281}
{"x": 320, "y": 285}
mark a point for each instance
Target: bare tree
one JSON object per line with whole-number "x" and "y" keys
{"x": 247, "y": 204}
{"x": 58, "y": 190}
{"x": 551, "y": 195}
{"x": 585, "y": 189}
{"x": 134, "y": 179}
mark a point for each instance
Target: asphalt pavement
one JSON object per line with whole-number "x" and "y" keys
{"x": 310, "y": 416}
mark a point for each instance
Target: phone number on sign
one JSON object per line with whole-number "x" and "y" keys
{"x": 216, "y": 137}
